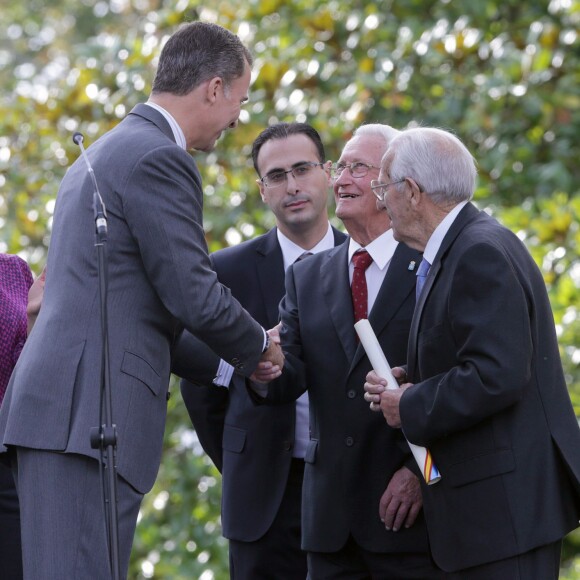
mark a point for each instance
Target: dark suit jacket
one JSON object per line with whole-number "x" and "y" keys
{"x": 490, "y": 401}
{"x": 352, "y": 453}
{"x": 159, "y": 278}
{"x": 257, "y": 440}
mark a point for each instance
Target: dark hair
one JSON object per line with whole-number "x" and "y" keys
{"x": 283, "y": 131}
{"x": 197, "y": 52}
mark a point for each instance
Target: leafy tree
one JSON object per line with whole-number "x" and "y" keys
{"x": 503, "y": 75}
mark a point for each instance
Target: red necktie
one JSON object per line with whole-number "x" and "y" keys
{"x": 360, "y": 295}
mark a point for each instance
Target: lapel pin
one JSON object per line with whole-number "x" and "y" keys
{"x": 411, "y": 266}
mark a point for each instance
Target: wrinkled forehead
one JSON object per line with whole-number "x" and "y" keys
{"x": 365, "y": 148}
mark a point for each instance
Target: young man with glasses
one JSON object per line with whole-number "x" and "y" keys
{"x": 361, "y": 497}
{"x": 260, "y": 450}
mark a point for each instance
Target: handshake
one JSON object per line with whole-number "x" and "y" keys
{"x": 272, "y": 361}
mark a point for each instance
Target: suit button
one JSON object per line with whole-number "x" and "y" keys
{"x": 351, "y": 394}
{"x": 287, "y": 445}
{"x": 349, "y": 441}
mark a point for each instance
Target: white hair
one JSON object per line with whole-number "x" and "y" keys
{"x": 379, "y": 130}
{"x": 437, "y": 161}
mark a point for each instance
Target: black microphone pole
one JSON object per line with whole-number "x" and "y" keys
{"x": 104, "y": 437}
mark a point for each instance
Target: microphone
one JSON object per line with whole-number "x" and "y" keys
{"x": 78, "y": 138}
{"x": 99, "y": 208}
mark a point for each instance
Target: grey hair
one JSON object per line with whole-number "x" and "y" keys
{"x": 437, "y": 161}
{"x": 387, "y": 132}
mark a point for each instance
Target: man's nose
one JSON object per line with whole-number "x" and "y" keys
{"x": 292, "y": 184}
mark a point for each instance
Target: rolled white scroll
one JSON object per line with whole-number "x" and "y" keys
{"x": 381, "y": 366}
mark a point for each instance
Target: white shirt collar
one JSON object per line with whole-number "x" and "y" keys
{"x": 381, "y": 249}
{"x": 177, "y": 132}
{"x": 441, "y": 230}
{"x": 291, "y": 251}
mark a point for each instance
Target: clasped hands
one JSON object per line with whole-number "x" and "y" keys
{"x": 383, "y": 399}
{"x": 272, "y": 361}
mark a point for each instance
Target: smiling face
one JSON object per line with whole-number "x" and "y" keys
{"x": 219, "y": 109}
{"x": 355, "y": 202}
{"x": 297, "y": 205}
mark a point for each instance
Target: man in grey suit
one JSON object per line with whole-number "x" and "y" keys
{"x": 254, "y": 443}
{"x": 160, "y": 280}
{"x": 361, "y": 499}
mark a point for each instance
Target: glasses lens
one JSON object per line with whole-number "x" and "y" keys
{"x": 274, "y": 178}
{"x": 303, "y": 170}
{"x": 358, "y": 169}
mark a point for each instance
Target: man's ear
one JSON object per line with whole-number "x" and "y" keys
{"x": 214, "y": 86}
{"x": 261, "y": 188}
{"x": 415, "y": 193}
{"x": 328, "y": 170}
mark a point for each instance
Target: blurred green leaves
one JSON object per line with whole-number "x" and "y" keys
{"x": 502, "y": 74}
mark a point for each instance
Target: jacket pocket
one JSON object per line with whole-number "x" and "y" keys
{"x": 480, "y": 467}
{"x": 138, "y": 368}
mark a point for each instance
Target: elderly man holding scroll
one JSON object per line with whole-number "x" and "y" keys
{"x": 484, "y": 389}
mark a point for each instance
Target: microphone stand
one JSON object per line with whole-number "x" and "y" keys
{"x": 104, "y": 437}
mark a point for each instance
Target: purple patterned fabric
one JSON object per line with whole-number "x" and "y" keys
{"x": 15, "y": 281}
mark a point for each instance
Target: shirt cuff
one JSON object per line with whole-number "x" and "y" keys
{"x": 224, "y": 374}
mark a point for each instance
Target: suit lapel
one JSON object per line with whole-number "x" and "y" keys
{"x": 398, "y": 283}
{"x": 270, "y": 270}
{"x": 336, "y": 291}
{"x": 466, "y": 215}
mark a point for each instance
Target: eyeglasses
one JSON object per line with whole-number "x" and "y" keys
{"x": 356, "y": 169}
{"x": 380, "y": 189}
{"x": 280, "y": 177}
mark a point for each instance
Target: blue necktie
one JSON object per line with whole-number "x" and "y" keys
{"x": 422, "y": 272}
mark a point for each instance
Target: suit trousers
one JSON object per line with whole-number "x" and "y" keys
{"x": 63, "y": 518}
{"x": 353, "y": 562}
{"x": 277, "y": 554}
{"x": 10, "y": 548}
{"x": 543, "y": 563}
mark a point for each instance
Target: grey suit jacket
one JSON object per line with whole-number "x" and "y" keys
{"x": 159, "y": 279}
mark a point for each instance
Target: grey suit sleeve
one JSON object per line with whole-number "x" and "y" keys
{"x": 167, "y": 225}
{"x": 193, "y": 360}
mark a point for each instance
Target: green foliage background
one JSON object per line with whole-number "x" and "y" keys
{"x": 503, "y": 74}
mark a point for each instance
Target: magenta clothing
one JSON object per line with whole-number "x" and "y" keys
{"x": 15, "y": 281}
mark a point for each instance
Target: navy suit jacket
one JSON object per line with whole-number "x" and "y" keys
{"x": 159, "y": 280}
{"x": 352, "y": 453}
{"x": 490, "y": 400}
{"x": 252, "y": 445}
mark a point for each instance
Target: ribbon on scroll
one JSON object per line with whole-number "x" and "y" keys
{"x": 381, "y": 366}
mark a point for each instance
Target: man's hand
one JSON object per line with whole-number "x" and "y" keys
{"x": 274, "y": 333}
{"x": 383, "y": 399}
{"x": 402, "y": 500}
{"x": 35, "y": 294}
